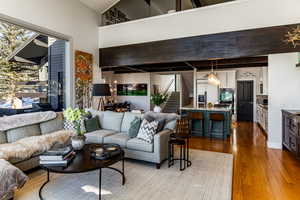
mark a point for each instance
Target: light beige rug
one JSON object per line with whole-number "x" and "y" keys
{"x": 209, "y": 178}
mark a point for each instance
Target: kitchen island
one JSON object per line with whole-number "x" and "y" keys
{"x": 217, "y": 127}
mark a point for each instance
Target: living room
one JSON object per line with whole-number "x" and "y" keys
{"x": 205, "y": 146}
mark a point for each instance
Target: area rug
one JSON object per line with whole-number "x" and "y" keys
{"x": 209, "y": 178}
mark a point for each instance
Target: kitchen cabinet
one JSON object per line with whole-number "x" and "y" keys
{"x": 291, "y": 131}
{"x": 262, "y": 116}
{"x": 227, "y": 79}
{"x": 263, "y": 81}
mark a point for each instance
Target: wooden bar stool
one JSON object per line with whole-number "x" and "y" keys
{"x": 196, "y": 116}
{"x": 180, "y": 138}
{"x": 217, "y": 117}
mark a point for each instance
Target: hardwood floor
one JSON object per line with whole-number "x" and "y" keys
{"x": 259, "y": 172}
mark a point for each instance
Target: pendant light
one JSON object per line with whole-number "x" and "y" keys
{"x": 212, "y": 76}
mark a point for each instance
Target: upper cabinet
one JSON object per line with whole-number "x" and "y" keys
{"x": 227, "y": 79}
{"x": 263, "y": 81}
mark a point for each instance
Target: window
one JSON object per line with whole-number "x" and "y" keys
{"x": 32, "y": 71}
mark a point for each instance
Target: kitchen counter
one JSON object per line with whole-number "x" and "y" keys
{"x": 225, "y": 109}
{"x": 293, "y": 112}
{"x": 217, "y": 126}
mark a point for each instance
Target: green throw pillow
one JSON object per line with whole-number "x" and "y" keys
{"x": 92, "y": 124}
{"x": 134, "y": 127}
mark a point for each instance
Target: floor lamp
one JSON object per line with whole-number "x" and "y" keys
{"x": 101, "y": 90}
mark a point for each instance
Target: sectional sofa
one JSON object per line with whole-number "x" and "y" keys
{"x": 114, "y": 129}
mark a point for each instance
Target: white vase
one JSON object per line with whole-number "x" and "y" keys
{"x": 78, "y": 142}
{"x": 157, "y": 109}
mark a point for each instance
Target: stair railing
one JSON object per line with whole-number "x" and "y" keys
{"x": 169, "y": 86}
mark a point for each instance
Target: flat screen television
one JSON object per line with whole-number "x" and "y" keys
{"x": 226, "y": 95}
{"x": 140, "y": 89}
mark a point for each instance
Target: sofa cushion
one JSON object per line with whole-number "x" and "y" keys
{"x": 127, "y": 119}
{"x": 97, "y": 136}
{"x": 112, "y": 121}
{"x": 119, "y": 138}
{"x": 139, "y": 145}
{"x": 26, "y": 131}
{"x": 53, "y": 125}
{"x": 3, "y": 138}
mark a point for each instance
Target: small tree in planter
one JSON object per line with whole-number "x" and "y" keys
{"x": 76, "y": 116}
{"x": 157, "y": 99}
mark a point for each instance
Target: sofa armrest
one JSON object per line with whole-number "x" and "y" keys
{"x": 161, "y": 145}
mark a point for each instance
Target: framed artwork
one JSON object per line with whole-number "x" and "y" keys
{"x": 83, "y": 79}
{"x": 132, "y": 89}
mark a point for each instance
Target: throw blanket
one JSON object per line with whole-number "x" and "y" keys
{"x": 11, "y": 178}
{"x": 21, "y": 120}
{"x": 27, "y": 147}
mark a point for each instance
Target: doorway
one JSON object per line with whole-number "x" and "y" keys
{"x": 245, "y": 94}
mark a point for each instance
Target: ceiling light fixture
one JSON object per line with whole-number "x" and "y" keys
{"x": 212, "y": 76}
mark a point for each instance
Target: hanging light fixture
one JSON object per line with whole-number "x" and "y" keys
{"x": 212, "y": 76}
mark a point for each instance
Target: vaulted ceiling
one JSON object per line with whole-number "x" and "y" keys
{"x": 99, "y": 5}
{"x": 102, "y": 5}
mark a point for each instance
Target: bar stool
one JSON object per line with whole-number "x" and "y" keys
{"x": 180, "y": 138}
{"x": 196, "y": 116}
{"x": 217, "y": 117}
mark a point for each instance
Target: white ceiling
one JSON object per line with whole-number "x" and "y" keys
{"x": 99, "y": 5}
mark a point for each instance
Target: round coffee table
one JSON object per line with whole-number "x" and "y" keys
{"x": 83, "y": 162}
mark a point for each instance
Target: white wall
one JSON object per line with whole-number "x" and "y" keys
{"x": 231, "y": 16}
{"x": 137, "y": 102}
{"x": 68, "y": 18}
{"x": 284, "y": 92}
{"x": 163, "y": 81}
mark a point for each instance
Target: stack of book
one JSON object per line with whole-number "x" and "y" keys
{"x": 59, "y": 156}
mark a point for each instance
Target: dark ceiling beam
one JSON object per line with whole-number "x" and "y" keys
{"x": 235, "y": 61}
{"x": 159, "y": 68}
{"x": 255, "y": 42}
{"x": 135, "y": 69}
{"x": 190, "y": 65}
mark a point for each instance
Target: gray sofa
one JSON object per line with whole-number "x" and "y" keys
{"x": 18, "y": 133}
{"x": 115, "y": 128}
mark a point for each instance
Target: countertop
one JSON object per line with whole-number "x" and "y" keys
{"x": 224, "y": 109}
{"x": 293, "y": 112}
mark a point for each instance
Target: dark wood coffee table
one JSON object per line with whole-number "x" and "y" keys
{"x": 83, "y": 162}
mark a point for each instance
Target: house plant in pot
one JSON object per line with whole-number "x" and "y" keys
{"x": 158, "y": 99}
{"x": 75, "y": 116}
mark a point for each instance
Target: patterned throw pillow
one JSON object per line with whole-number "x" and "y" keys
{"x": 68, "y": 125}
{"x": 147, "y": 131}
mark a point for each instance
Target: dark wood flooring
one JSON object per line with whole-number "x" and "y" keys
{"x": 259, "y": 172}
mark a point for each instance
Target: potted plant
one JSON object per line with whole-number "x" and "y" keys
{"x": 75, "y": 116}
{"x": 157, "y": 99}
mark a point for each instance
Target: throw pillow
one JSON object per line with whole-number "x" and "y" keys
{"x": 147, "y": 131}
{"x": 68, "y": 125}
{"x": 92, "y": 124}
{"x": 134, "y": 127}
{"x": 161, "y": 122}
